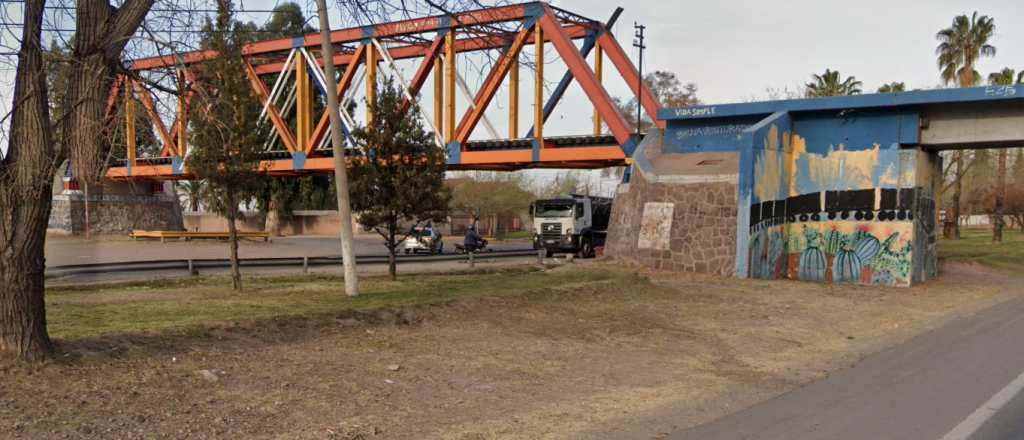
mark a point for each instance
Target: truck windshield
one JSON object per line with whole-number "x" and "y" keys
{"x": 554, "y": 210}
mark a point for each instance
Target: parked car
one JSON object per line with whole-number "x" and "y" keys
{"x": 424, "y": 238}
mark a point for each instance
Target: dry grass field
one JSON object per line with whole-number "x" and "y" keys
{"x": 588, "y": 350}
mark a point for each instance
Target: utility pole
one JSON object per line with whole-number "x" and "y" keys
{"x": 348, "y": 251}
{"x": 639, "y": 43}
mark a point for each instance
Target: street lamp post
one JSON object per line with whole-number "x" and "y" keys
{"x": 639, "y": 43}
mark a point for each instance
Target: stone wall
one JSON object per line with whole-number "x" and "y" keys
{"x": 675, "y": 226}
{"x": 114, "y": 214}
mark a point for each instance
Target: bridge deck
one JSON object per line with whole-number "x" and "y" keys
{"x": 583, "y": 152}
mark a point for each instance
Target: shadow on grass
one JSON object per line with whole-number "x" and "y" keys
{"x": 975, "y": 246}
{"x": 171, "y": 316}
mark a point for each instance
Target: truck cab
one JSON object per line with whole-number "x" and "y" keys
{"x": 570, "y": 224}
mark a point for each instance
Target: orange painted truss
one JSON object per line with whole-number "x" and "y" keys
{"x": 272, "y": 68}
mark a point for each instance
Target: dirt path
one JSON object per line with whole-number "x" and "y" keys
{"x": 622, "y": 355}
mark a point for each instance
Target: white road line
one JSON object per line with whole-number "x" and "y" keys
{"x": 972, "y": 423}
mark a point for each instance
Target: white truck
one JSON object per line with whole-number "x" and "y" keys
{"x": 570, "y": 224}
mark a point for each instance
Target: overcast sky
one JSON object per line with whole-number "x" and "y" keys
{"x": 734, "y": 49}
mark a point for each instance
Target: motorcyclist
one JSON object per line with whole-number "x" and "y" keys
{"x": 473, "y": 241}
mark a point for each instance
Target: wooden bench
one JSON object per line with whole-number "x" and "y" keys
{"x": 164, "y": 235}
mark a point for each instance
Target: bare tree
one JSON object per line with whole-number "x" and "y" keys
{"x": 483, "y": 194}
{"x": 28, "y": 168}
{"x": 26, "y": 173}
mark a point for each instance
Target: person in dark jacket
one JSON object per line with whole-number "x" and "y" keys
{"x": 473, "y": 241}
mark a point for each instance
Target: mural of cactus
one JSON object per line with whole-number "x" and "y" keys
{"x": 867, "y": 247}
{"x": 861, "y": 234}
{"x": 812, "y": 264}
{"x": 883, "y": 278}
{"x": 812, "y": 236}
{"x": 793, "y": 244}
{"x": 892, "y": 259}
{"x": 832, "y": 242}
{"x": 847, "y": 267}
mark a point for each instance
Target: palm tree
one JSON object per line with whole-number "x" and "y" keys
{"x": 1003, "y": 77}
{"x": 829, "y": 84}
{"x": 193, "y": 192}
{"x": 893, "y": 87}
{"x": 961, "y": 45}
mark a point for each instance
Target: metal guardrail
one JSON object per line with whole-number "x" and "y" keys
{"x": 193, "y": 265}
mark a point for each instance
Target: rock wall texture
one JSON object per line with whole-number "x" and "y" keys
{"x": 114, "y": 214}
{"x": 701, "y": 236}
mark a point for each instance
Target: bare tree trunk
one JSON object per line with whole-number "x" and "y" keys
{"x": 951, "y": 229}
{"x": 26, "y": 176}
{"x": 236, "y": 274}
{"x": 88, "y": 236}
{"x": 273, "y": 220}
{"x": 997, "y": 227}
{"x": 28, "y": 168}
{"x": 392, "y": 264}
{"x": 102, "y": 32}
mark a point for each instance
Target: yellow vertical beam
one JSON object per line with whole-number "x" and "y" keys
{"x": 598, "y": 68}
{"x": 182, "y": 116}
{"x": 513, "y": 100}
{"x": 538, "y": 89}
{"x": 129, "y": 109}
{"x": 439, "y": 95}
{"x": 371, "y": 80}
{"x": 303, "y": 104}
{"x": 449, "y": 95}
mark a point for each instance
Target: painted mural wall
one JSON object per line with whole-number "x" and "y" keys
{"x": 840, "y": 201}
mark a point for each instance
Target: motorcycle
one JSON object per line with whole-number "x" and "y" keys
{"x": 461, "y": 249}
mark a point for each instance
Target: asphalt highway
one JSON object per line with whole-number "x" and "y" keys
{"x": 961, "y": 381}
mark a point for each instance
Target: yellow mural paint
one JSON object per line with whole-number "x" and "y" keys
{"x": 798, "y": 148}
{"x": 841, "y": 169}
{"x": 769, "y": 166}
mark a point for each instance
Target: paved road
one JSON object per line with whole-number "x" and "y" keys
{"x": 62, "y": 251}
{"x": 929, "y": 388}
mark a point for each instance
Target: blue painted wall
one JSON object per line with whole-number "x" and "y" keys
{"x": 708, "y": 135}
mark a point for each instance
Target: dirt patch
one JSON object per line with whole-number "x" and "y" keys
{"x": 616, "y": 353}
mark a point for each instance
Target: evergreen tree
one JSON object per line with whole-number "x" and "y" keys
{"x": 399, "y": 183}
{"x": 226, "y": 138}
{"x": 281, "y": 196}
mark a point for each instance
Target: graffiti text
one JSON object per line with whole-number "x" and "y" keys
{"x": 708, "y": 131}
{"x": 696, "y": 111}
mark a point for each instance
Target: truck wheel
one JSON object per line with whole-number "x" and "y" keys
{"x": 587, "y": 248}
{"x": 550, "y": 254}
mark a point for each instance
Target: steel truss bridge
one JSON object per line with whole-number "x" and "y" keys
{"x": 435, "y": 42}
